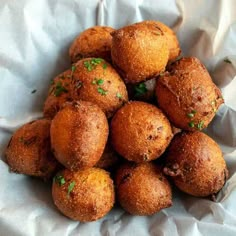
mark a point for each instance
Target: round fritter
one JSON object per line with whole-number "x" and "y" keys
{"x": 93, "y": 42}
{"x": 142, "y": 189}
{"x": 59, "y": 93}
{"x": 79, "y": 134}
{"x": 96, "y": 81}
{"x": 196, "y": 164}
{"x": 187, "y": 94}
{"x": 85, "y": 195}
{"x": 140, "y": 132}
{"x": 28, "y": 151}
{"x": 172, "y": 41}
{"x": 139, "y": 52}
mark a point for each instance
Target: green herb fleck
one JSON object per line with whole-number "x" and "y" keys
{"x": 73, "y": 68}
{"x": 118, "y": 95}
{"x": 104, "y": 66}
{"x": 227, "y": 60}
{"x": 59, "y": 89}
{"x": 100, "y": 81}
{"x": 88, "y": 65}
{"x": 192, "y": 114}
{"x": 191, "y": 124}
{"x": 102, "y": 91}
{"x": 59, "y": 179}
{"x": 140, "y": 89}
{"x": 34, "y": 91}
{"x": 70, "y": 187}
{"x": 200, "y": 125}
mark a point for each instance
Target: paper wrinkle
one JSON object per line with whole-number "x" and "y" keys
{"x": 34, "y": 43}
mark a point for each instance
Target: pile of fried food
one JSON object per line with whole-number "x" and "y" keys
{"x": 128, "y": 109}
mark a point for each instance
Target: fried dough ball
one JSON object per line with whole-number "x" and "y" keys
{"x": 196, "y": 164}
{"x": 139, "y": 52}
{"x": 79, "y": 134}
{"x": 140, "y": 132}
{"x": 96, "y": 81}
{"x": 172, "y": 41}
{"x": 93, "y": 42}
{"x": 59, "y": 93}
{"x": 142, "y": 189}
{"x": 28, "y": 151}
{"x": 85, "y": 195}
{"x": 187, "y": 94}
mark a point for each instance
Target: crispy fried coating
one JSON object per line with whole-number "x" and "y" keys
{"x": 85, "y": 195}
{"x": 195, "y": 163}
{"x": 79, "y": 134}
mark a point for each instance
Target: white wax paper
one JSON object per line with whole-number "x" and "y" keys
{"x": 34, "y": 39}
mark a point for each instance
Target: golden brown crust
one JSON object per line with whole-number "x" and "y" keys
{"x": 142, "y": 189}
{"x": 140, "y": 132}
{"x": 93, "y": 42}
{"x": 172, "y": 41}
{"x": 109, "y": 159}
{"x": 28, "y": 151}
{"x": 59, "y": 93}
{"x": 196, "y": 164}
{"x": 139, "y": 52}
{"x": 85, "y": 195}
{"x": 187, "y": 94}
{"x": 95, "y": 80}
{"x": 79, "y": 134}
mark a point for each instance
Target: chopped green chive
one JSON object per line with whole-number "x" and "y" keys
{"x": 102, "y": 91}
{"x": 140, "y": 89}
{"x": 70, "y": 187}
{"x": 227, "y": 60}
{"x": 34, "y": 91}
{"x": 191, "y": 124}
{"x": 73, "y": 68}
{"x": 88, "y": 65}
{"x": 100, "y": 81}
{"x": 192, "y": 114}
{"x": 200, "y": 125}
{"x": 104, "y": 66}
{"x": 59, "y": 179}
{"x": 118, "y": 95}
{"x": 59, "y": 89}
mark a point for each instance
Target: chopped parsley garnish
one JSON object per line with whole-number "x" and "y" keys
{"x": 104, "y": 66}
{"x": 102, "y": 91}
{"x": 73, "y": 68}
{"x": 59, "y": 179}
{"x": 34, "y": 91}
{"x": 98, "y": 81}
{"x": 90, "y": 65}
{"x": 59, "y": 89}
{"x": 118, "y": 95}
{"x": 227, "y": 60}
{"x": 70, "y": 187}
{"x": 191, "y": 124}
{"x": 192, "y": 114}
{"x": 200, "y": 125}
{"x": 140, "y": 89}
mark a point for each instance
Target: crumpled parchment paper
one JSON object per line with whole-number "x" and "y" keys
{"x": 34, "y": 41}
